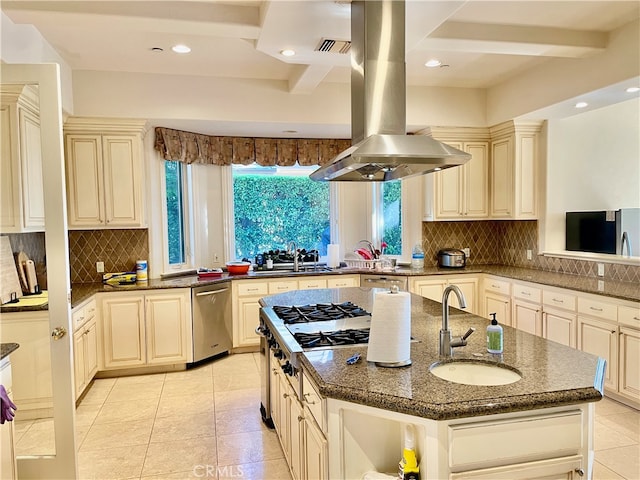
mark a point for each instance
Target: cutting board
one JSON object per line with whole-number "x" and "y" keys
{"x": 9, "y": 281}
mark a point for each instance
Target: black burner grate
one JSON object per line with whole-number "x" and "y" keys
{"x": 326, "y": 339}
{"x": 319, "y": 312}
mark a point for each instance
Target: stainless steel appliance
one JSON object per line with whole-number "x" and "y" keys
{"x": 604, "y": 231}
{"x": 384, "y": 281}
{"x": 451, "y": 258}
{"x": 212, "y": 323}
{"x": 286, "y": 332}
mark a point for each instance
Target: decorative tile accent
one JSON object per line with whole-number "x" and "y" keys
{"x": 505, "y": 242}
{"x": 118, "y": 249}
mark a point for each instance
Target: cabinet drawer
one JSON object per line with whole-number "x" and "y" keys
{"x": 596, "y": 308}
{"x": 504, "y": 442}
{"x": 559, "y": 299}
{"x": 311, "y": 283}
{"x": 253, "y": 288}
{"x": 527, "y": 292}
{"x": 283, "y": 286}
{"x": 497, "y": 286}
{"x": 629, "y": 316}
{"x": 342, "y": 282}
{"x": 313, "y": 401}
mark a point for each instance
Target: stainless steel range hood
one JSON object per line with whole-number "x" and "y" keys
{"x": 381, "y": 148}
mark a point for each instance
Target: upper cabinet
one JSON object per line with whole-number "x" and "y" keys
{"x": 460, "y": 193}
{"x": 21, "y": 187}
{"x": 514, "y": 170}
{"x": 105, "y": 186}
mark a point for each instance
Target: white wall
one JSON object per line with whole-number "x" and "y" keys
{"x": 25, "y": 44}
{"x": 593, "y": 163}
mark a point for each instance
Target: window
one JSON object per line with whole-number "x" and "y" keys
{"x": 387, "y": 215}
{"x": 175, "y": 174}
{"x": 276, "y": 205}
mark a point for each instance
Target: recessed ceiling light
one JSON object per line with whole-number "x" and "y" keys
{"x": 181, "y": 49}
{"x": 287, "y": 52}
{"x": 433, "y": 63}
{"x": 582, "y": 104}
{"x": 633, "y": 89}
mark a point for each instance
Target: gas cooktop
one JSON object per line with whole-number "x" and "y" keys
{"x": 319, "y": 312}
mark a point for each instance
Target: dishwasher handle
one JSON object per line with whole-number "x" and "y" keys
{"x": 382, "y": 279}
{"x": 212, "y": 292}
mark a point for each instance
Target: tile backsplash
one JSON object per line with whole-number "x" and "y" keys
{"x": 33, "y": 245}
{"x": 506, "y": 242}
{"x": 118, "y": 249}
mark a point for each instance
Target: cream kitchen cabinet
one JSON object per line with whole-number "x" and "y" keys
{"x": 629, "y": 336}
{"x": 8, "y": 465}
{"x": 105, "y": 185}
{"x": 21, "y": 186}
{"x": 153, "y": 328}
{"x": 559, "y": 318}
{"x": 342, "y": 281}
{"x": 85, "y": 345}
{"x": 497, "y": 299}
{"x": 514, "y": 170}
{"x": 246, "y": 310}
{"x": 315, "y": 450}
{"x": 433, "y": 286}
{"x": 526, "y": 311}
{"x": 311, "y": 283}
{"x": 460, "y": 193}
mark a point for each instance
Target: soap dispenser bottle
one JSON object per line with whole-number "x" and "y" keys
{"x": 408, "y": 468}
{"x": 494, "y": 336}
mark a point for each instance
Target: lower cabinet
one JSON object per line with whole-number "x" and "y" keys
{"x": 600, "y": 337}
{"x": 500, "y": 305}
{"x": 557, "y": 469}
{"x": 526, "y": 308}
{"x": 246, "y": 295}
{"x": 629, "y": 372}
{"x": 149, "y": 329}
{"x": 85, "y": 355}
{"x": 433, "y": 287}
{"x": 315, "y": 446}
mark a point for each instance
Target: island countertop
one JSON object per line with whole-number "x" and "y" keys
{"x": 552, "y": 374}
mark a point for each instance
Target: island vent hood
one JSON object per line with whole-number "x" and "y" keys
{"x": 381, "y": 149}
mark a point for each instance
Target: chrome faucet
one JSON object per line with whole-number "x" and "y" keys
{"x": 447, "y": 343}
{"x": 295, "y": 255}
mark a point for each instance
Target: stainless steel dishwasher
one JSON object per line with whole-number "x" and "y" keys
{"x": 212, "y": 323}
{"x": 384, "y": 281}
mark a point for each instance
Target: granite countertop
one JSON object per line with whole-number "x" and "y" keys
{"x": 7, "y": 349}
{"x": 614, "y": 289}
{"x": 552, "y": 374}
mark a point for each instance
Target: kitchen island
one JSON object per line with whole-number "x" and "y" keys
{"x": 541, "y": 425}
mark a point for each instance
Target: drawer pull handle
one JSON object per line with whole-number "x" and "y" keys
{"x": 613, "y": 331}
{"x": 528, "y": 294}
{"x": 596, "y": 309}
{"x": 558, "y": 300}
{"x": 495, "y": 286}
{"x": 580, "y": 472}
{"x": 306, "y": 399}
{"x": 636, "y": 318}
{"x": 285, "y": 395}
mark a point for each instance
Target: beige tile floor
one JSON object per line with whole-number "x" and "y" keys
{"x": 205, "y": 423}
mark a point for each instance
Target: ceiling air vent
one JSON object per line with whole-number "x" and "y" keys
{"x": 334, "y": 46}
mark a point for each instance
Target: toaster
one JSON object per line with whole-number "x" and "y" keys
{"x": 451, "y": 258}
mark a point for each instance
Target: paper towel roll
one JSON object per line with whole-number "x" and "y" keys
{"x": 390, "y": 333}
{"x": 333, "y": 255}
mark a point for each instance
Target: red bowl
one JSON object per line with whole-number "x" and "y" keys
{"x": 238, "y": 268}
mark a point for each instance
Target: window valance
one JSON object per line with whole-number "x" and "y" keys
{"x": 212, "y": 150}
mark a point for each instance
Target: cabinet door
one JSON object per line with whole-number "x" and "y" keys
{"x": 449, "y": 193}
{"x": 166, "y": 324}
{"x": 601, "y": 338}
{"x": 559, "y": 326}
{"x": 78, "y": 362}
{"x": 31, "y": 163}
{"x": 122, "y": 180}
{"x": 85, "y": 195}
{"x": 629, "y": 382}
{"x": 9, "y": 195}
{"x": 468, "y": 288}
{"x": 527, "y": 317}
{"x": 476, "y": 181}
{"x": 502, "y": 178}
{"x": 500, "y": 305}
{"x": 566, "y": 468}
{"x": 284, "y": 409}
{"x": 123, "y": 335}
{"x": 315, "y": 451}
{"x": 431, "y": 289}
{"x": 91, "y": 350}
{"x": 247, "y": 322}
{"x": 296, "y": 437}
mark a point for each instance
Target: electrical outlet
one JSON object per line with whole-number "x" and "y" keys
{"x": 100, "y": 267}
{"x": 467, "y": 252}
{"x": 601, "y": 285}
{"x": 215, "y": 257}
{"x": 601, "y": 269}
{"x": 529, "y": 255}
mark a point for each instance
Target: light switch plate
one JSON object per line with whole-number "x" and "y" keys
{"x": 529, "y": 255}
{"x": 100, "y": 267}
{"x": 467, "y": 252}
